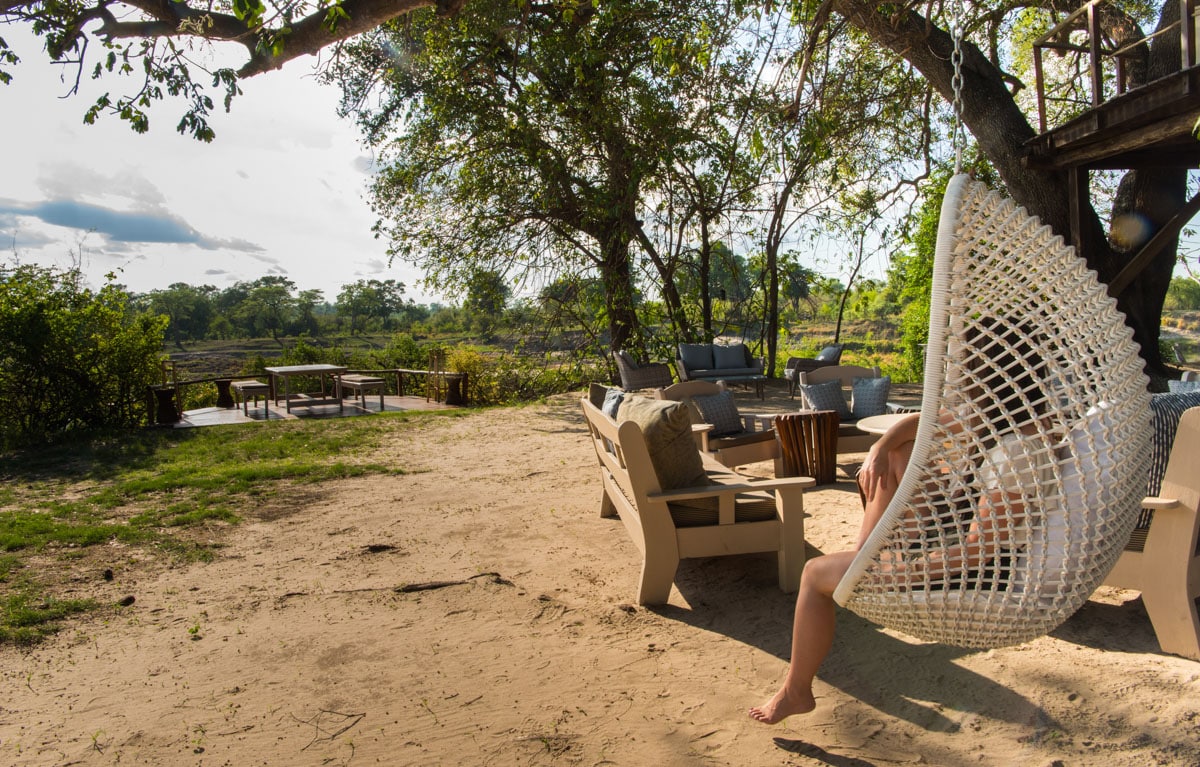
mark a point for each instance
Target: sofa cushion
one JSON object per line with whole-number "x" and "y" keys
{"x": 869, "y": 396}
{"x": 718, "y": 374}
{"x": 696, "y": 356}
{"x": 727, "y": 357}
{"x": 721, "y": 411}
{"x": 829, "y": 354}
{"x": 667, "y": 429}
{"x": 1178, "y": 387}
{"x": 752, "y": 507}
{"x": 741, "y": 438}
{"x": 826, "y": 396}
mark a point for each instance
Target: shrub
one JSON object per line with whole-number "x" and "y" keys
{"x": 72, "y": 358}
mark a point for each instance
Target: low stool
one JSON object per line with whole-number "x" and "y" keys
{"x": 251, "y": 388}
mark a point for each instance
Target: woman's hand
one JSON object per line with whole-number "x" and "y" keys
{"x": 873, "y": 474}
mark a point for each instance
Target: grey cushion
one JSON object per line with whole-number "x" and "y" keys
{"x": 757, "y": 507}
{"x": 1178, "y": 387}
{"x": 829, "y": 354}
{"x": 869, "y": 395}
{"x": 696, "y": 356}
{"x": 725, "y": 357}
{"x": 719, "y": 373}
{"x": 720, "y": 411}
{"x": 826, "y": 396}
{"x": 667, "y": 428}
{"x": 612, "y": 402}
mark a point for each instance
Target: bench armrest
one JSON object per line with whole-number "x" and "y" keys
{"x": 717, "y": 490}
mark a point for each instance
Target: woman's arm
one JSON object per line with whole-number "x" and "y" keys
{"x": 876, "y": 470}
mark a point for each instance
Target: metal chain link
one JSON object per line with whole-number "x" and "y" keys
{"x": 957, "y": 137}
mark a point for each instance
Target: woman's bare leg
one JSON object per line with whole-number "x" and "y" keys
{"x": 874, "y": 508}
{"x": 812, "y": 637}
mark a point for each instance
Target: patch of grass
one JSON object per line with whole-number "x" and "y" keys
{"x": 25, "y": 617}
{"x": 146, "y": 488}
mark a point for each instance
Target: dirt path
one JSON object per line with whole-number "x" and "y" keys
{"x": 513, "y": 642}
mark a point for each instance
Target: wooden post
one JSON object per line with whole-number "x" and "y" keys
{"x": 1077, "y": 182}
{"x": 1187, "y": 32}
{"x": 1094, "y": 46}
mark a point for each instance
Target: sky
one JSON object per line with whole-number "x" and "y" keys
{"x": 281, "y": 190}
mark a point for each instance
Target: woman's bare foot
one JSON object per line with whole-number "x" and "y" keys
{"x": 784, "y": 704}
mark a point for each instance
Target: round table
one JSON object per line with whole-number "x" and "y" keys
{"x": 878, "y": 424}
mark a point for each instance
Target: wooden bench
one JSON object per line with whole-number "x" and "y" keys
{"x": 361, "y": 384}
{"x": 665, "y": 535}
{"x": 251, "y": 388}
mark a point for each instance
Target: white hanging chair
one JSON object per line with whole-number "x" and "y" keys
{"x": 1032, "y": 385}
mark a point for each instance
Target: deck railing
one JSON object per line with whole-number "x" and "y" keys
{"x": 1081, "y": 32}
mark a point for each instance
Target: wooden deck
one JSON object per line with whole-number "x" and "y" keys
{"x": 215, "y": 416}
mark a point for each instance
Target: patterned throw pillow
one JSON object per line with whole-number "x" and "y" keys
{"x": 667, "y": 429}
{"x": 826, "y": 396}
{"x": 729, "y": 356}
{"x": 869, "y": 396}
{"x": 1166, "y": 409}
{"x": 721, "y": 411}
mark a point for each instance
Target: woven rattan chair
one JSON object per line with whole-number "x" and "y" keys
{"x": 830, "y": 355}
{"x": 648, "y": 376}
{"x": 1034, "y": 424}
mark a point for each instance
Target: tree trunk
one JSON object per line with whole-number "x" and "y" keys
{"x": 705, "y": 279}
{"x": 617, "y": 277}
{"x": 991, "y": 114}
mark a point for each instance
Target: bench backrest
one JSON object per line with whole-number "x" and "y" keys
{"x": 845, "y": 374}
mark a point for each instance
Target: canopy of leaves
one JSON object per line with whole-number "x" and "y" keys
{"x": 73, "y": 358}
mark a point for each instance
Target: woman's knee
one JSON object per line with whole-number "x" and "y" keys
{"x": 822, "y": 574}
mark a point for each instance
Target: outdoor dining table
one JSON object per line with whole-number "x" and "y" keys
{"x": 326, "y": 373}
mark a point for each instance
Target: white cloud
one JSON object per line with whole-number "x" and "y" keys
{"x": 281, "y": 190}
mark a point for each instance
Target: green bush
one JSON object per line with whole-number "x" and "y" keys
{"x": 71, "y": 358}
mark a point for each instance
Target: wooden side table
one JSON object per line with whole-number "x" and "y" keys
{"x": 809, "y": 444}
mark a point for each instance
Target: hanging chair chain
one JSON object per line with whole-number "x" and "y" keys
{"x": 957, "y": 138}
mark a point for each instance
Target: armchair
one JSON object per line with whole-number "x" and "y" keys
{"x": 674, "y": 510}
{"x": 649, "y": 376}
{"x": 830, "y": 355}
{"x": 722, "y": 433}
{"x": 825, "y": 389}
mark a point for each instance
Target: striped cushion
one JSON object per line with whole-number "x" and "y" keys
{"x": 1166, "y": 408}
{"x": 751, "y": 507}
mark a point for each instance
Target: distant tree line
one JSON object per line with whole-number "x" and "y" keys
{"x": 272, "y": 306}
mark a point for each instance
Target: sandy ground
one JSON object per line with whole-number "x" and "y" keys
{"x": 296, "y": 648}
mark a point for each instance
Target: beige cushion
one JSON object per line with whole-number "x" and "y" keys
{"x": 667, "y": 429}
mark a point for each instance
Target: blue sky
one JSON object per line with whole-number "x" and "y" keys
{"x": 280, "y": 191}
